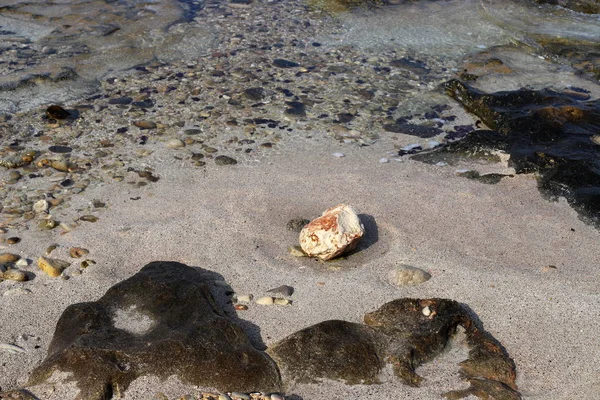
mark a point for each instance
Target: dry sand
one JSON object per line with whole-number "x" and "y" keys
{"x": 485, "y": 246}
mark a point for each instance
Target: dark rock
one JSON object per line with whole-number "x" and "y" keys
{"x": 490, "y": 179}
{"x": 224, "y": 160}
{"x": 283, "y": 290}
{"x": 405, "y": 333}
{"x": 148, "y": 175}
{"x": 57, "y": 112}
{"x": 545, "y": 132}
{"x": 296, "y": 108}
{"x": 192, "y": 131}
{"x": 121, "y": 100}
{"x": 255, "y": 93}
{"x": 337, "y": 350}
{"x": 413, "y": 129}
{"x": 143, "y": 104}
{"x": 67, "y": 183}
{"x": 345, "y": 117}
{"x": 414, "y": 66}
{"x": 187, "y": 335}
{"x": 584, "y": 6}
{"x": 281, "y": 63}
{"x": 60, "y": 149}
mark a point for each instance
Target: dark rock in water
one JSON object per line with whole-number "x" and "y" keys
{"x": 296, "y": 108}
{"x": 413, "y": 129}
{"x": 60, "y": 149}
{"x": 582, "y": 56}
{"x": 405, "y": 333}
{"x": 121, "y": 100}
{"x": 337, "y": 350}
{"x": 255, "y": 93}
{"x": 281, "y": 63}
{"x": 584, "y": 6}
{"x": 178, "y": 329}
{"x": 143, "y": 104}
{"x": 57, "y": 112}
{"x": 546, "y": 132}
{"x": 490, "y": 179}
{"x": 224, "y": 160}
{"x": 414, "y": 66}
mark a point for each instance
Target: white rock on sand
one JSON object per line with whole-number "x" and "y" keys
{"x": 336, "y": 231}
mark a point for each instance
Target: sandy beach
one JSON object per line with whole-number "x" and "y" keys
{"x": 141, "y": 158}
{"x": 485, "y": 246}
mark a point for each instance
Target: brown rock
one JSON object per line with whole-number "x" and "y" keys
{"x": 7, "y": 258}
{"x": 52, "y": 266}
{"x": 78, "y": 252}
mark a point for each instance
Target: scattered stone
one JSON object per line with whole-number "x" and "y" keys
{"x": 224, "y": 160}
{"x": 281, "y": 63}
{"x": 548, "y": 268}
{"x": 78, "y": 252}
{"x": 242, "y": 396}
{"x": 265, "y": 301}
{"x": 296, "y": 224}
{"x": 175, "y": 144}
{"x": 22, "y": 263}
{"x": 145, "y": 124}
{"x": 52, "y": 266}
{"x": 339, "y": 155}
{"x": 241, "y": 307}
{"x": 13, "y": 240}
{"x": 60, "y": 149}
{"x": 281, "y": 302}
{"x": 244, "y": 298}
{"x": 93, "y": 341}
{"x": 51, "y": 248}
{"x": 88, "y": 218}
{"x": 13, "y": 177}
{"x": 86, "y": 263}
{"x": 283, "y": 290}
{"x": 384, "y": 160}
{"x": 16, "y": 292}
{"x": 57, "y": 112}
{"x": 337, "y": 231}
{"x": 14, "y": 275}
{"x": 41, "y": 206}
{"x": 406, "y": 275}
{"x": 9, "y": 258}
{"x": 60, "y": 165}
{"x": 47, "y": 224}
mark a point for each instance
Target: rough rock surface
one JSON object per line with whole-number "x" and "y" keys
{"x": 339, "y": 350}
{"x": 163, "y": 321}
{"x": 545, "y": 132}
{"x": 337, "y": 231}
{"x": 405, "y": 333}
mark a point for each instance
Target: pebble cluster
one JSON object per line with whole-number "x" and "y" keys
{"x": 265, "y": 84}
{"x": 225, "y": 396}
